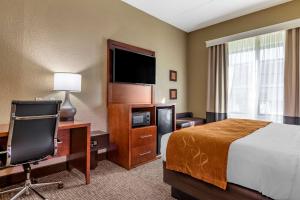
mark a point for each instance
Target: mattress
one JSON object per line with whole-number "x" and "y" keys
{"x": 267, "y": 161}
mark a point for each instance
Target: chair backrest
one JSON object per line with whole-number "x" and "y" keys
{"x": 32, "y": 131}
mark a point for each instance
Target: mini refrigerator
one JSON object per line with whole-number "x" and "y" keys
{"x": 165, "y": 121}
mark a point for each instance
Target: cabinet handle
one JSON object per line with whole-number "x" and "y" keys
{"x": 145, "y": 136}
{"x": 59, "y": 141}
{"x": 146, "y": 153}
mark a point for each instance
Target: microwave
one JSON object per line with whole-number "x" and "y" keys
{"x": 140, "y": 119}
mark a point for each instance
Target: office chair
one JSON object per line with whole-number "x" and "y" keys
{"x": 32, "y": 138}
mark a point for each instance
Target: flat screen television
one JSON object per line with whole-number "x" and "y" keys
{"x": 130, "y": 67}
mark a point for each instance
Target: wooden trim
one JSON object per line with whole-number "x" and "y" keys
{"x": 87, "y": 148}
{"x": 109, "y": 73}
{"x": 4, "y": 130}
{"x": 153, "y": 95}
{"x": 71, "y": 125}
{"x": 119, "y": 124}
{"x": 80, "y": 151}
{"x": 120, "y": 45}
{"x": 121, "y": 93}
{"x": 115, "y": 91}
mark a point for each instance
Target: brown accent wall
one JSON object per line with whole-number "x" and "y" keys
{"x": 39, "y": 37}
{"x": 198, "y": 53}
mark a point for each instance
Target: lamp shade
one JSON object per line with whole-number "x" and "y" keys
{"x": 67, "y": 82}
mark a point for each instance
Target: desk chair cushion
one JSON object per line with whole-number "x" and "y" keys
{"x": 34, "y": 141}
{"x": 33, "y": 130}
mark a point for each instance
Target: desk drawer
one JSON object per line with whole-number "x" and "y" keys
{"x": 143, "y": 136}
{"x": 143, "y": 153}
{"x": 64, "y": 144}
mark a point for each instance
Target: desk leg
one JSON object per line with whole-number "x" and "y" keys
{"x": 80, "y": 151}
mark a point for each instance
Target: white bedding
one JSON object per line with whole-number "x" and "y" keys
{"x": 267, "y": 161}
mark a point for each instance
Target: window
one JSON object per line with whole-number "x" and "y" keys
{"x": 256, "y": 77}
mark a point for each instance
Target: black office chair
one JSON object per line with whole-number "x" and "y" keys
{"x": 32, "y": 138}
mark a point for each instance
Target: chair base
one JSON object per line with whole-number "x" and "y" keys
{"x": 29, "y": 186}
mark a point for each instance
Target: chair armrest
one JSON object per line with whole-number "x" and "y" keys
{"x": 59, "y": 141}
{"x": 3, "y": 152}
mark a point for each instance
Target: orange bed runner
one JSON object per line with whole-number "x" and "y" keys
{"x": 202, "y": 151}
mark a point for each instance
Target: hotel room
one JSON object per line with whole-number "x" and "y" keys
{"x": 137, "y": 99}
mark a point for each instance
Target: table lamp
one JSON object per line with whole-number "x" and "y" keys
{"x": 67, "y": 82}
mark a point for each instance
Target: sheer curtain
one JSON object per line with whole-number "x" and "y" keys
{"x": 256, "y": 77}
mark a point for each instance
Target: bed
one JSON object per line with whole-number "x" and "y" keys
{"x": 262, "y": 165}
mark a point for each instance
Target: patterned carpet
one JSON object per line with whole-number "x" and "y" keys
{"x": 109, "y": 182}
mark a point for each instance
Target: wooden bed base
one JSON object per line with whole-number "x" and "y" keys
{"x": 185, "y": 187}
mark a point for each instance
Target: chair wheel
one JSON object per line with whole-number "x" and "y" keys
{"x": 60, "y": 186}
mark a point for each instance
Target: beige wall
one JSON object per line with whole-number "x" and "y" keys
{"x": 198, "y": 54}
{"x": 39, "y": 37}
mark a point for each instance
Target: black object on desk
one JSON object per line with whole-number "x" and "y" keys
{"x": 187, "y": 119}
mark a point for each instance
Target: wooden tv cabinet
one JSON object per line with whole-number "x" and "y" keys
{"x": 135, "y": 146}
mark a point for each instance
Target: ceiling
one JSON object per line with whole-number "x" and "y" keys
{"x": 190, "y": 15}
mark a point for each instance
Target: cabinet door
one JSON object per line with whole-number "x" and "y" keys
{"x": 143, "y": 136}
{"x": 165, "y": 123}
{"x": 143, "y": 154}
{"x": 165, "y": 120}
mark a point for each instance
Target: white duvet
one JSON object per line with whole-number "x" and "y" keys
{"x": 267, "y": 161}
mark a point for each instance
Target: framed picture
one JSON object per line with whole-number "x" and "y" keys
{"x": 173, "y": 75}
{"x": 173, "y": 94}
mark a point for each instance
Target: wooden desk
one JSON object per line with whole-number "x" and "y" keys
{"x": 75, "y": 146}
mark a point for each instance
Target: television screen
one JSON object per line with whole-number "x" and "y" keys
{"x": 130, "y": 67}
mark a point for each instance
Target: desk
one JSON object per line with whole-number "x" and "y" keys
{"x": 75, "y": 146}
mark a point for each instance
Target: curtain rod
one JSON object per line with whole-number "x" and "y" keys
{"x": 260, "y": 31}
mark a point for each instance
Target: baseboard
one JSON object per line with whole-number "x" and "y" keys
{"x": 179, "y": 195}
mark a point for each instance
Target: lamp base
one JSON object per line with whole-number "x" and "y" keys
{"x": 66, "y": 119}
{"x": 67, "y": 110}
